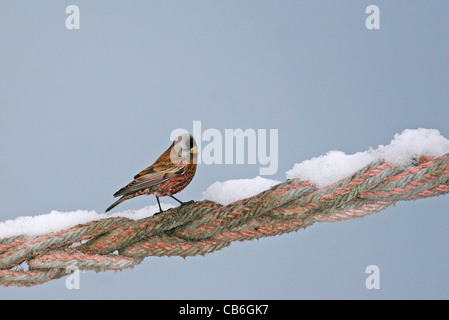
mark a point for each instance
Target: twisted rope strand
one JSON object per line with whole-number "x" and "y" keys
{"x": 204, "y": 227}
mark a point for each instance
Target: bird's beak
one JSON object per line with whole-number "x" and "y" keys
{"x": 194, "y": 150}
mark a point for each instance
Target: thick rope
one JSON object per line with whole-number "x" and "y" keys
{"x": 205, "y": 226}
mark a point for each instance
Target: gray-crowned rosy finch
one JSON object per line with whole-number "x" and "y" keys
{"x": 168, "y": 175}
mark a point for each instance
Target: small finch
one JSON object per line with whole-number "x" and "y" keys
{"x": 168, "y": 175}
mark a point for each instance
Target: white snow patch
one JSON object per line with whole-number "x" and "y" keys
{"x": 230, "y": 191}
{"x": 57, "y": 220}
{"x": 411, "y": 144}
{"x": 329, "y": 168}
{"x": 402, "y": 151}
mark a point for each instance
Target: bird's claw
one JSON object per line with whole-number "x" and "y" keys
{"x": 158, "y": 213}
{"x": 182, "y": 204}
{"x": 187, "y": 202}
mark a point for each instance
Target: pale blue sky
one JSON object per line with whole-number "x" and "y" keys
{"x": 82, "y": 111}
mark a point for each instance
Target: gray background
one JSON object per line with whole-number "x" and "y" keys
{"x": 82, "y": 111}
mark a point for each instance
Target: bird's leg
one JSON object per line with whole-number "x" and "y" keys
{"x": 181, "y": 202}
{"x": 177, "y": 200}
{"x": 160, "y": 209}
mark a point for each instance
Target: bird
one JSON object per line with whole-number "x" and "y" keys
{"x": 168, "y": 175}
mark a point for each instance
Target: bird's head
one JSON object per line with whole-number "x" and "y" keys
{"x": 184, "y": 148}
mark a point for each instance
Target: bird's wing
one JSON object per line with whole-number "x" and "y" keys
{"x": 150, "y": 177}
{"x": 156, "y": 168}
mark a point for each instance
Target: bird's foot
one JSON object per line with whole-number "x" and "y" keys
{"x": 182, "y": 203}
{"x": 187, "y": 202}
{"x": 158, "y": 213}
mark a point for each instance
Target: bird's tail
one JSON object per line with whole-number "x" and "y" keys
{"x": 125, "y": 197}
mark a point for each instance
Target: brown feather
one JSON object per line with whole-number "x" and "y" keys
{"x": 119, "y": 201}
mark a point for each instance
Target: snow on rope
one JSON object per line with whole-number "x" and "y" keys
{"x": 118, "y": 242}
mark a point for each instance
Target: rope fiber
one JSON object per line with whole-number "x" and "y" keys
{"x": 203, "y": 227}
